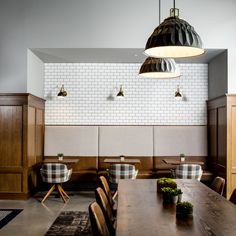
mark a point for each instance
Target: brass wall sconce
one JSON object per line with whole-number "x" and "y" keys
{"x": 120, "y": 94}
{"x": 178, "y": 94}
{"x": 62, "y": 93}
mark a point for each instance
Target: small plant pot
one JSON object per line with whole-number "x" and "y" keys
{"x": 60, "y": 158}
{"x": 184, "y": 209}
{"x": 159, "y": 186}
{"x": 174, "y": 199}
{"x": 180, "y": 197}
{"x": 182, "y": 159}
{"x": 167, "y": 198}
{"x": 184, "y": 214}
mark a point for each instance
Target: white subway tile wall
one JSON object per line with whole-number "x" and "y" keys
{"x": 92, "y": 89}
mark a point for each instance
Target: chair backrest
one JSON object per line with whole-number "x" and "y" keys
{"x": 102, "y": 201}
{"x": 55, "y": 173}
{"x": 218, "y": 185}
{"x": 121, "y": 171}
{"x": 188, "y": 171}
{"x": 97, "y": 220}
{"x": 105, "y": 186}
{"x": 233, "y": 197}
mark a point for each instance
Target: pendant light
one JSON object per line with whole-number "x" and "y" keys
{"x": 159, "y": 68}
{"x": 174, "y": 38}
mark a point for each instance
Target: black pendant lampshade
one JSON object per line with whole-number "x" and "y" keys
{"x": 161, "y": 68}
{"x": 174, "y": 38}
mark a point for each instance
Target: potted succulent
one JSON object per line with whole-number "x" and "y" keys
{"x": 182, "y": 157}
{"x": 176, "y": 195}
{"x": 167, "y": 194}
{"x": 60, "y": 156}
{"x": 165, "y": 182}
{"x": 184, "y": 208}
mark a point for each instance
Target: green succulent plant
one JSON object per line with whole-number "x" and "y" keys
{"x": 60, "y": 154}
{"x": 184, "y": 208}
{"x": 165, "y": 182}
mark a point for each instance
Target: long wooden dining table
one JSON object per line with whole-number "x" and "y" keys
{"x": 141, "y": 211}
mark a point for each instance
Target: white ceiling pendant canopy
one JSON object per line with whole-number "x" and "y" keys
{"x": 174, "y": 38}
{"x": 159, "y": 68}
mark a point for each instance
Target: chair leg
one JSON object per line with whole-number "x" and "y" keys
{"x": 62, "y": 190}
{"x": 115, "y": 195}
{"x": 48, "y": 193}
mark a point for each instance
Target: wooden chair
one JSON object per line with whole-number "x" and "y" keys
{"x": 55, "y": 173}
{"x": 103, "y": 202}
{"x": 97, "y": 220}
{"x": 233, "y": 197}
{"x": 218, "y": 185}
{"x": 105, "y": 186}
{"x": 188, "y": 171}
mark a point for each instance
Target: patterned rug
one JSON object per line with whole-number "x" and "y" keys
{"x": 71, "y": 223}
{"x": 6, "y": 215}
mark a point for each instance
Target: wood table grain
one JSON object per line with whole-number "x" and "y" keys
{"x": 141, "y": 211}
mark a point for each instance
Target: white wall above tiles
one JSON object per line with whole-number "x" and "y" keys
{"x": 92, "y": 89}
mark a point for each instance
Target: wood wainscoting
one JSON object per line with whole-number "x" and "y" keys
{"x": 222, "y": 139}
{"x": 21, "y": 143}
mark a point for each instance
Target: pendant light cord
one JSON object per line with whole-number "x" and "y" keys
{"x": 174, "y": 7}
{"x": 159, "y": 12}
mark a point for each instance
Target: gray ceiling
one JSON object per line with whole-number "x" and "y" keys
{"x": 109, "y": 55}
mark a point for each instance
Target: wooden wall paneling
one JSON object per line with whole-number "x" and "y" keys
{"x": 31, "y": 138}
{"x": 222, "y": 141}
{"x": 11, "y": 182}
{"x": 39, "y": 135}
{"x": 212, "y": 139}
{"x": 19, "y": 144}
{"x": 231, "y": 144}
{"x": 217, "y": 136}
{"x": 11, "y": 135}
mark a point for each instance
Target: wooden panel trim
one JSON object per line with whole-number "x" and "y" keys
{"x": 216, "y": 102}
{"x": 20, "y": 99}
{"x": 10, "y": 169}
{"x": 14, "y": 196}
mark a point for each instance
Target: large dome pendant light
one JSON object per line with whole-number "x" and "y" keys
{"x": 159, "y": 68}
{"x": 174, "y": 38}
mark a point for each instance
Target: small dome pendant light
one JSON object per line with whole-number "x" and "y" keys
{"x": 62, "y": 93}
{"x": 160, "y": 68}
{"x": 174, "y": 38}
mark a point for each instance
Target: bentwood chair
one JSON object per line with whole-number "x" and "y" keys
{"x": 218, "y": 185}
{"x": 97, "y": 220}
{"x": 188, "y": 171}
{"x": 233, "y": 197}
{"x": 105, "y": 186}
{"x": 103, "y": 202}
{"x": 56, "y": 174}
